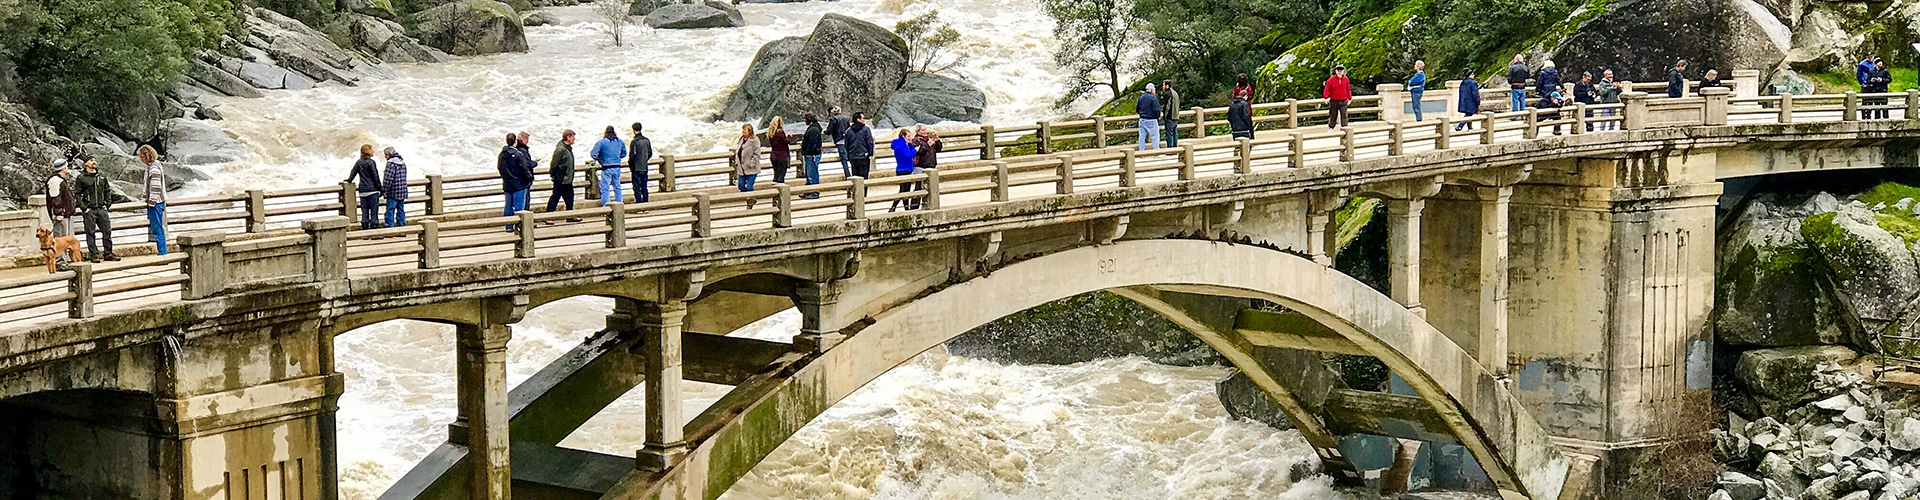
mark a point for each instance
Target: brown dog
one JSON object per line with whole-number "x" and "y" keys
{"x": 55, "y": 249}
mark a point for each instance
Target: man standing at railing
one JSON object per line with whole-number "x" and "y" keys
{"x": 561, "y": 170}
{"x": 810, "y": 150}
{"x": 1677, "y": 80}
{"x": 837, "y": 128}
{"x": 1338, "y": 91}
{"x": 60, "y": 202}
{"x": 1417, "y": 90}
{"x": 1148, "y": 108}
{"x": 154, "y": 188}
{"x": 1469, "y": 101}
{"x": 1877, "y": 81}
{"x": 609, "y": 152}
{"x": 1169, "y": 113}
{"x": 1517, "y": 74}
{"x": 642, "y": 155}
{"x": 1864, "y": 71}
{"x": 394, "y": 183}
{"x": 1240, "y": 118}
{"x": 95, "y": 195}
{"x": 1608, "y": 92}
{"x": 858, "y": 146}
{"x": 515, "y": 176}
{"x": 1583, "y": 93}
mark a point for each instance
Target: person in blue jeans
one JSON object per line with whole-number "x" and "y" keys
{"x": 811, "y": 145}
{"x": 154, "y": 187}
{"x": 1517, "y": 75}
{"x": 1417, "y": 89}
{"x": 609, "y": 153}
{"x": 1148, "y": 107}
{"x": 368, "y": 173}
{"x": 516, "y": 176}
{"x": 393, "y": 184}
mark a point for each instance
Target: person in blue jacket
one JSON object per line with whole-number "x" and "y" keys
{"x": 1148, "y": 107}
{"x": 903, "y": 153}
{"x": 1864, "y": 71}
{"x": 1417, "y": 89}
{"x": 1469, "y": 101}
{"x": 610, "y": 152}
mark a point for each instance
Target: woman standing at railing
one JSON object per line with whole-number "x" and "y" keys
{"x": 926, "y": 157}
{"x": 746, "y": 160}
{"x": 903, "y": 152}
{"x": 155, "y": 194}
{"x": 811, "y": 145}
{"x": 395, "y": 182}
{"x": 1240, "y": 118}
{"x": 782, "y": 145}
{"x": 1243, "y": 89}
{"x": 369, "y": 189}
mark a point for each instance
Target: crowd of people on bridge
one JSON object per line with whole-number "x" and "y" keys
{"x": 380, "y": 180}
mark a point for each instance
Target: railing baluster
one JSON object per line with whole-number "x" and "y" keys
{"x": 436, "y": 195}
{"x": 1065, "y": 171}
{"x": 1000, "y": 181}
{"x": 429, "y": 244}
{"x": 256, "y": 210}
{"x": 1851, "y": 111}
{"x": 1186, "y": 162}
{"x": 1786, "y": 108}
{"x": 1486, "y": 132}
{"x": 1129, "y": 168}
{"x": 1293, "y": 113}
{"x": 349, "y": 203}
{"x": 1443, "y": 137}
{"x": 1297, "y": 146}
{"x": 1579, "y": 117}
{"x": 592, "y": 172}
{"x": 933, "y": 189}
{"x": 1243, "y": 156}
{"x": 1395, "y": 137}
{"x": 1913, "y": 104}
{"x": 782, "y": 205}
{"x": 616, "y": 225}
{"x": 1199, "y": 122}
{"x": 702, "y": 215}
{"x": 1046, "y": 137}
{"x": 1533, "y": 124}
{"x": 669, "y": 173}
{"x": 1099, "y": 132}
{"x": 81, "y": 286}
{"x": 857, "y": 208}
{"x": 1346, "y": 144}
{"x": 988, "y": 150}
{"x": 524, "y": 249}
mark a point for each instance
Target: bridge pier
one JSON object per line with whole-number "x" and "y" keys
{"x": 661, "y": 342}
{"x": 482, "y": 385}
{"x": 1406, "y": 200}
{"x": 245, "y": 414}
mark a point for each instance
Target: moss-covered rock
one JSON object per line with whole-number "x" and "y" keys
{"x": 1871, "y": 269}
{"x": 1780, "y": 379}
{"x": 1377, "y": 51}
{"x": 1085, "y": 328}
{"x": 1768, "y": 292}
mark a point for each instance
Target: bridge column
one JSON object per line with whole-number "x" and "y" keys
{"x": 820, "y": 322}
{"x": 661, "y": 342}
{"x": 1405, "y": 202}
{"x": 482, "y": 374}
{"x": 1465, "y": 262}
{"x": 1321, "y": 230}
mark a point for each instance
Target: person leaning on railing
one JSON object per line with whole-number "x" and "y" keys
{"x": 394, "y": 182}
{"x": 154, "y": 187}
{"x": 609, "y": 153}
{"x": 95, "y": 195}
{"x": 368, "y": 188}
{"x": 1584, "y": 93}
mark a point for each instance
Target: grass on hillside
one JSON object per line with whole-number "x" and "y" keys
{"x": 1840, "y": 83}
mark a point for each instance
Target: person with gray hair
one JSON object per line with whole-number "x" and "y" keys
{"x": 1417, "y": 89}
{"x": 394, "y": 185}
{"x": 1148, "y": 108}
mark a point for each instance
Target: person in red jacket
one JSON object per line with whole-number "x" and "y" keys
{"x": 1337, "y": 92}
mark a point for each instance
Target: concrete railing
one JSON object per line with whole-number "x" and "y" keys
{"x": 212, "y": 262}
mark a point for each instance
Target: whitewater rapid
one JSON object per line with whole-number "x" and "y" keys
{"x": 939, "y": 427}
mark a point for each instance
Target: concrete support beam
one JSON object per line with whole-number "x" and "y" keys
{"x": 660, "y": 337}
{"x": 1405, "y": 202}
{"x": 1491, "y": 349}
{"x": 1321, "y": 230}
{"x": 1291, "y": 330}
{"x": 1383, "y": 414}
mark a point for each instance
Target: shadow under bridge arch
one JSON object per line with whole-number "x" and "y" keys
{"x": 742, "y": 428}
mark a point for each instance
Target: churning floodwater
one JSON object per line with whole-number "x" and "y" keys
{"x": 938, "y": 427}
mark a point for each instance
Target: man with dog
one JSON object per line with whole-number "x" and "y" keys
{"x": 94, "y": 195}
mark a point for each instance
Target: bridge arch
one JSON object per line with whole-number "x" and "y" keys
{"x": 749, "y": 423}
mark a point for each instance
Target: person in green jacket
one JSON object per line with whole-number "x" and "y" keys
{"x": 95, "y": 195}
{"x": 561, "y": 169}
{"x": 1170, "y": 117}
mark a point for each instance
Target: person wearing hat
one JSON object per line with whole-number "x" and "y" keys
{"x": 1148, "y": 107}
{"x": 1338, "y": 91}
{"x": 393, "y": 184}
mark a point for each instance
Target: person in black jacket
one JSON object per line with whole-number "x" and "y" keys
{"x": 94, "y": 194}
{"x": 639, "y": 154}
{"x": 1240, "y": 118}
{"x": 368, "y": 174}
{"x": 810, "y": 149}
{"x": 1583, "y": 93}
{"x": 837, "y": 127}
{"x": 562, "y": 173}
{"x": 1677, "y": 79}
{"x": 516, "y": 176}
{"x": 1878, "y": 79}
{"x": 1517, "y": 75}
{"x": 859, "y": 146}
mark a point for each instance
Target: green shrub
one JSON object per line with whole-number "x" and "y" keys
{"x": 85, "y": 59}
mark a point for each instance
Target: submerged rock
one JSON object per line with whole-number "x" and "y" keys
{"x": 1244, "y": 400}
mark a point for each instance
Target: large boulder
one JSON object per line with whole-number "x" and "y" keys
{"x": 694, "y": 16}
{"x": 1246, "y": 401}
{"x": 31, "y": 146}
{"x": 220, "y": 80}
{"x": 263, "y": 75}
{"x": 845, "y": 62}
{"x": 1767, "y": 293}
{"x": 1639, "y": 39}
{"x": 1872, "y": 270}
{"x": 1782, "y": 378}
{"x": 384, "y": 39}
{"x": 472, "y": 27}
{"x": 197, "y": 142}
{"x": 929, "y": 98}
